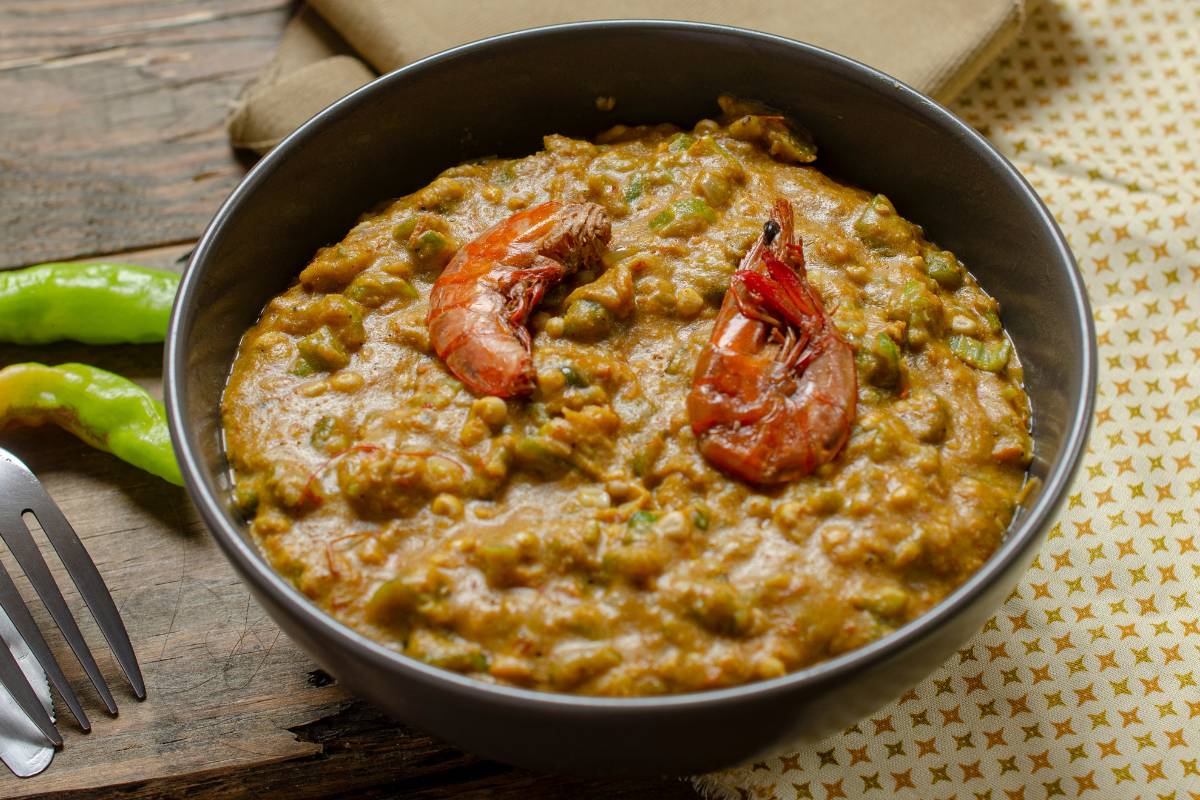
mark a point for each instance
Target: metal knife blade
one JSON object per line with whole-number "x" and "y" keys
{"x": 22, "y": 746}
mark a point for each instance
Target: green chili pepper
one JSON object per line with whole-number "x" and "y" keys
{"x": 105, "y": 410}
{"x": 89, "y": 303}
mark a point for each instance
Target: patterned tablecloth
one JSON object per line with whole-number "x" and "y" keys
{"x": 1087, "y": 682}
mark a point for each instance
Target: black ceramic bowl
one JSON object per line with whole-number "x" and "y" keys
{"x": 499, "y": 96}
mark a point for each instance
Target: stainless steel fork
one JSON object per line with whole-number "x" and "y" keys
{"x": 21, "y": 493}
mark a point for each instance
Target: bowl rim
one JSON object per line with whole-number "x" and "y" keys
{"x": 1022, "y": 532}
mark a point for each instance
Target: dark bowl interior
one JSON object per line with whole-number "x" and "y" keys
{"x": 500, "y": 96}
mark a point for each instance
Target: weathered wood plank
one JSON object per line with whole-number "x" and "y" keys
{"x": 111, "y": 117}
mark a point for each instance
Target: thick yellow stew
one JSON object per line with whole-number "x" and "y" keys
{"x": 575, "y": 539}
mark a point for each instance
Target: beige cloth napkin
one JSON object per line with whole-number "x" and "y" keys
{"x": 938, "y": 46}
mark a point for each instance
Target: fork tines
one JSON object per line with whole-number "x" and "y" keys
{"x": 21, "y": 492}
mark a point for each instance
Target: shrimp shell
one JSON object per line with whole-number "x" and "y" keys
{"x": 774, "y": 391}
{"x": 480, "y": 303}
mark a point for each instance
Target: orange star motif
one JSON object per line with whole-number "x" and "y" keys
{"x": 1040, "y": 761}
{"x": 883, "y": 725}
{"x": 1085, "y": 782}
{"x": 1129, "y": 717}
{"x": 950, "y": 715}
{"x": 1154, "y": 771}
{"x": 834, "y": 789}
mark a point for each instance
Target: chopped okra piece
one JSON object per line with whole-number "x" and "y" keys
{"x": 684, "y": 217}
{"x": 542, "y": 455}
{"x": 373, "y": 290}
{"x": 587, "y": 319}
{"x": 681, "y": 141}
{"x": 642, "y": 519}
{"x": 323, "y": 351}
{"x": 573, "y": 377}
{"x": 880, "y": 363}
{"x": 712, "y": 187}
{"x": 988, "y": 356}
{"x": 881, "y": 228}
{"x": 637, "y": 185}
{"x": 944, "y": 268}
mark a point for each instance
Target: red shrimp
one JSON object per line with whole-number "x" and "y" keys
{"x": 774, "y": 391}
{"x": 480, "y": 302}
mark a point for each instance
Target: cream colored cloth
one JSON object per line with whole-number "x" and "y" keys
{"x": 937, "y": 46}
{"x": 1087, "y": 682}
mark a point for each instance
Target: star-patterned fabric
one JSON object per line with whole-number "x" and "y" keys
{"x": 1087, "y": 682}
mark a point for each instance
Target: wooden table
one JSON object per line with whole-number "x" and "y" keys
{"x": 112, "y": 145}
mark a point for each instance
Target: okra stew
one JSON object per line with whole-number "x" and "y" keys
{"x": 574, "y": 538}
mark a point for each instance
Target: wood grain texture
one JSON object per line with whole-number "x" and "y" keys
{"x": 112, "y": 143}
{"x": 112, "y": 116}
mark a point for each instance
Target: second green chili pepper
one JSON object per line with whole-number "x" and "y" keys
{"x": 105, "y": 410}
{"x": 89, "y": 303}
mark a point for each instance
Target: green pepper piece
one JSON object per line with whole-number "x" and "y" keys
{"x": 321, "y": 350}
{"x": 988, "y": 356}
{"x": 662, "y": 218}
{"x": 391, "y": 602}
{"x": 637, "y": 185}
{"x": 587, "y": 319}
{"x": 944, "y": 268}
{"x": 428, "y": 245}
{"x": 573, "y": 377}
{"x": 506, "y": 175}
{"x": 641, "y": 520}
{"x": 684, "y": 217}
{"x": 105, "y": 410}
{"x": 373, "y": 290}
{"x": 543, "y": 456}
{"x": 713, "y": 187}
{"x": 881, "y": 228}
{"x": 695, "y": 207}
{"x": 91, "y": 303}
{"x": 681, "y": 141}
{"x": 883, "y": 368}
{"x": 246, "y": 499}
{"x": 922, "y": 310}
{"x": 700, "y": 518}
{"x": 403, "y": 231}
